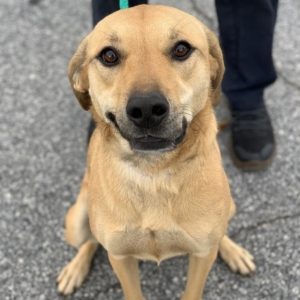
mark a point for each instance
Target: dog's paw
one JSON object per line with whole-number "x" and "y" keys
{"x": 237, "y": 258}
{"x": 72, "y": 275}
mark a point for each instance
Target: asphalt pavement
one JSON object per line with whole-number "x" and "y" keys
{"x": 42, "y": 157}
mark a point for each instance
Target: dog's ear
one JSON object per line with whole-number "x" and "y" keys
{"x": 216, "y": 66}
{"x": 77, "y": 72}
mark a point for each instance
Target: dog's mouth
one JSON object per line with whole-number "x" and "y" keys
{"x": 153, "y": 143}
{"x": 148, "y": 142}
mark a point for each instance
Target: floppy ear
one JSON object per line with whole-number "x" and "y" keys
{"x": 77, "y": 72}
{"x": 216, "y": 66}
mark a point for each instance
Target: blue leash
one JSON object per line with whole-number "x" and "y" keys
{"x": 123, "y": 4}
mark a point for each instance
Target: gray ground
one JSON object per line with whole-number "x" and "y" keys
{"x": 43, "y": 133}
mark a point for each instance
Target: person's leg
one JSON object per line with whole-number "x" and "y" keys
{"x": 246, "y": 32}
{"x": 101, "y": 9}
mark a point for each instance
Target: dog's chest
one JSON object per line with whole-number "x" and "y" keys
{"x": 156, "y": 239}
{"x": 148, "y": 221}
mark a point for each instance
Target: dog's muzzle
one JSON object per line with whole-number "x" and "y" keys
{"x": 149, "y": 126}
{"x": 154, "y": 143}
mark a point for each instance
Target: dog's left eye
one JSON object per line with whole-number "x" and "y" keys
{"x": 109, "y": 57}
{"x": 182, "y": 51}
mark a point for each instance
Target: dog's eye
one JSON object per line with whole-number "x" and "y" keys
{"x": 181, "y": 51}
{"x": 109, "y": 57}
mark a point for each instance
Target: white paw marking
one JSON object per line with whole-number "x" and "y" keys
{"x": 238, "y": 259}
{"x": 73, "y": 275}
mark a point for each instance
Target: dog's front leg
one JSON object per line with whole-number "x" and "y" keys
{"x": 198, "y": 270}
{"x": 127, "y": 271}
{"x": 75, "y": 272}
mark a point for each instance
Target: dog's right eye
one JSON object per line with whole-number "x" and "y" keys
{"x": 182, "y": 51}
{"x": 109, "y": 57}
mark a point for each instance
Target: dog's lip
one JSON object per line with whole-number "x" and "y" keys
{"x": 149, "y": 138}
{"x": 155, "y": 143}
{"x": 149, "y": 142}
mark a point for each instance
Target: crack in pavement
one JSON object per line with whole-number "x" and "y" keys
{"x": 261, "y": 223}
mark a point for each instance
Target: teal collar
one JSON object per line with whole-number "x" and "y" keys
{"x": 123, "y": 4}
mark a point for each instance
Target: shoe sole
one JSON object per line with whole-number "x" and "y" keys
{"x": 253, "y": 166}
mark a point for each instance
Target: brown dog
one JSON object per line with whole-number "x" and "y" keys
{"x": 154, "y": 187}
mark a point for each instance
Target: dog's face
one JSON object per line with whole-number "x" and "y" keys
{"x": 147, "y": 71}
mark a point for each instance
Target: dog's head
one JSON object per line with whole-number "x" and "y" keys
{"x": 148, "y": 71}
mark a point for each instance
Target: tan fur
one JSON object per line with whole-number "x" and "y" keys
{"x": 158, "y": 205}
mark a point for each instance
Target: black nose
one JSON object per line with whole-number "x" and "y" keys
{"x": 147, "y": 110}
